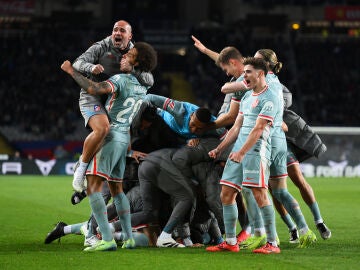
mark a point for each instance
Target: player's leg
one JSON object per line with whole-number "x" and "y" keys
{"x": 228, "y": 199}
{"x": 96, "y": 118}
{"x": 98, "y": 208}
{"x": 123, "y": 210}
{"x": 308, "y": 196}
{"x": 178, "y": 188}
{"x": 148, "y": 171}
{"x": 278, "y": 172}
{"x": 285, "y": 216}
{"x": 118, "y": 151}
{"x": 281, "y": 193}
{"x": 256, "y": 175}
{"x": 243, "y": 219}
{"x": 257, "y": 229}
{"x": 267, "y": 212}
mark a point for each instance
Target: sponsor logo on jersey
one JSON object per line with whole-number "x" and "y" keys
{"x": 97, "y": 108}
{"x": 251, "y": 171}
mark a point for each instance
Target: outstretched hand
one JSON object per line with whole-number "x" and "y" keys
{"x": 67, "y": 67}
{"x": 198, "y": 44}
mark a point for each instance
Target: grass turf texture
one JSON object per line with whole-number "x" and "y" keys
{"x": 31, "y": 205}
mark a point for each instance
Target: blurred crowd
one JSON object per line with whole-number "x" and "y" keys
{"x": 40, "y": 101}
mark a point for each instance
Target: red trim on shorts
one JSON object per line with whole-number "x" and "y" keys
{"x": 118, "y": 180}
{"x": 230, "y": 184}
{"x": 141, "y": 226}
{"x": 248, "y": 184}
{"x": 278, "y": 176}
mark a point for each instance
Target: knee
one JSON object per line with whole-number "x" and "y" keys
{"x": 104, "y": 130}
{"x": 226, "y": 198}
{"x": 100, "y": 127}
{"x": 277, "y": 194}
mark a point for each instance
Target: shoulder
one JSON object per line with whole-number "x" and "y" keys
{"x": 117, "y": 79}
{"x": 189, "y": 106}
{"x": 241, "y": 94}
{"x": 104, "y": 43}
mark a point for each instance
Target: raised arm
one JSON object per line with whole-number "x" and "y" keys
{"x": 87, "y": 62}
{"x": 212, "y": 54}
{"x": 90, "y": 86}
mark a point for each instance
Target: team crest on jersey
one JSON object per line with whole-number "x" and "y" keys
{"x": 97, "y": 108}
{"x": 255, "y": 103}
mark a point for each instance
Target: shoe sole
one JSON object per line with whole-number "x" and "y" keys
{"x": 112, "y": 248}
{"x": 294, "y": 241}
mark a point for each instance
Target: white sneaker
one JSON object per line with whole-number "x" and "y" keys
{"x": 91, "y": 241}
{"x": 79, "y": 179}
{"x": 168, "y": 242}
{"x": 111, "y": 226}
{"x": 84, "y": 229}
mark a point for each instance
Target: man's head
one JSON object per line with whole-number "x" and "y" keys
{"x": 230, "y": 60}
{"x": 121, "y": 34}
{"x": 255, "y": 71}
{"x": 142, "y": 56}
{"x": 199, "y": 121}
{"x": 148, "y": 116}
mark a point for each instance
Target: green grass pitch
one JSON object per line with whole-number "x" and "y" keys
{"x": 31, "y": 205}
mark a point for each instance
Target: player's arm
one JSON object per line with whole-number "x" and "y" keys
{"x": 201, "y": 47}
{"x": 90, "y": 86}
{"x": 284, "y": 127}
{"x": 174, "y": 107}
{"x": 230, "y": 137}
{"x": 232, "y": 87}
{"x": 252, "y": 138}
{"x": 227, "y": 119}
{"x": 85, "y": 63}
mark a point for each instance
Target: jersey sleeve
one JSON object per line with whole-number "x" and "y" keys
{"x": 115, "y": 82}
{"x": 174, "y": 107}
{"x": 268, "y": 110}
{"x": 226, "y": 104}
{"x": 89, "y": 58}
{"x": 287, "y": 97}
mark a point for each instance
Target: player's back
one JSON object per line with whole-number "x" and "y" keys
{"x": 125, "y": 101}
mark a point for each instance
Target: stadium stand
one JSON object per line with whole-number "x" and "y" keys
{"x": 39, "y": 103}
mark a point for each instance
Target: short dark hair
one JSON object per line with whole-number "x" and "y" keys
{"x": 203, "y": 115}
{"x": 146, "y": 56}
{"x": 228, "y": 53}
{"x": 149, "y": 113}
{"x": 257, "y": 63}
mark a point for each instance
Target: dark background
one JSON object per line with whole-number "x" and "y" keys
{"x": 39, "y": 103}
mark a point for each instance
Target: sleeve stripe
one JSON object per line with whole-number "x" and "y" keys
{"x": 111, "y": 85}
{"x": 166, "y": 103}
{"x": 269, "y": 118}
